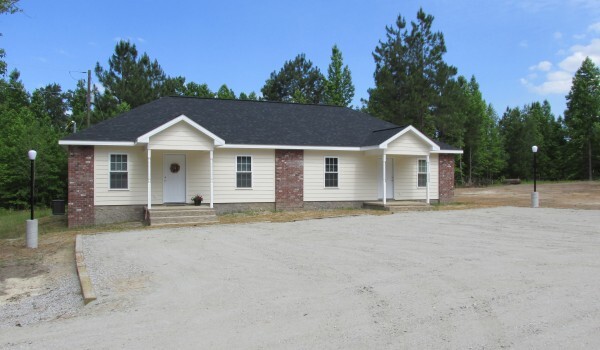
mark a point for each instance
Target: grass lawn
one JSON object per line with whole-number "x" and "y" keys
{"x": 12, "y": 222}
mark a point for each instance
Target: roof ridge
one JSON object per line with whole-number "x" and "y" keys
{"x": 257, "y": 101}
{"x": 392, "y": 128}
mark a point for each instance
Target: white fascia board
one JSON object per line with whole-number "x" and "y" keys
{"x": 316, "y": 148}
{"x": 434, "y": 146}
{"x": 95, "y": 143}
{"x": 459, "y": 151}
{"x": 146, "y": 137}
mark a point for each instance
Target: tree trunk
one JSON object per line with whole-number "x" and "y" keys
{"x": 470, "y": 166}
{"x": 590, "y": 159}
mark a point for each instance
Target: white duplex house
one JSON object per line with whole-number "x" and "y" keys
{"x": 242, "y": 155}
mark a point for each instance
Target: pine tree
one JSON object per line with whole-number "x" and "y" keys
{"x": 298, "y": 81}
{"x": 410, "y": 74}
{"x": 130, "y": 79}
{"x": 225, "y": 93}
{"x": 339, "y": 89}
{"x": 583, "y": 111}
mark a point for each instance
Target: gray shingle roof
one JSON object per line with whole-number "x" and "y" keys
{"x": 250, "y": 123}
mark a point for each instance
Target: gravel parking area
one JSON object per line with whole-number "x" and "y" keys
{"x": 486, "y": 278}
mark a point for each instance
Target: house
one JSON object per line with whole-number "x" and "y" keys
{"x": 243, "y": 155}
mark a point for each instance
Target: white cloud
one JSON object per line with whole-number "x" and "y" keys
{"x": 142, "y": 40}
{"x": 558, "y": 77}
{"x": 543, "y": 66}
{"x": 42, "y": 59}
{"x": 594, "y": 27}
{"x": 578, "y": 36}
{"x": 523, "y": 43}
{"x": 557, "y": 35}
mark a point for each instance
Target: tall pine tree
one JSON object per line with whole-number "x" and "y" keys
{"x": 583, "y": 112}
{"x": 410, "y": 74}
{"x": 339, "y": 89}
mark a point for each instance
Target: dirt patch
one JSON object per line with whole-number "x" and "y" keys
{"x": 562, "y": 195}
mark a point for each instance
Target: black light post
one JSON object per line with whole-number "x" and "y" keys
{"x": 32, "y": 224}
{"x": 535, "y": 199}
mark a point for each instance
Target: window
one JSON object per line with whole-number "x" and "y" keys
{"x": 244, "y": 172}
{"x": 422, "y": 173}
{"x": 331, "y": 172}
{"x": 118, "y": 172}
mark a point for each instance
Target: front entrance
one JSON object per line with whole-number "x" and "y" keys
{"x": 389, "y": 179}
{"x": 174, "y": 178}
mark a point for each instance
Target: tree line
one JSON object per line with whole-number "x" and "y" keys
{"x": 413, "y": 85}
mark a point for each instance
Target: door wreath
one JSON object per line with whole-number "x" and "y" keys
{"x": 175, "y": 168}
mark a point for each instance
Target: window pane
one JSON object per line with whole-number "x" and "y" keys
{"x": 244, "y": 164}
{"x": 244, "y": 180}
{"x": 422, "y": 166}
{"x": 422, "y": 182}
{"x": 331, "y": 180}
{"x": 118, "y": 180}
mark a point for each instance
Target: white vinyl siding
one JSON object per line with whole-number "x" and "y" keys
{"x": 406, "y": 178}
{"x": 225, "y": 178}
{"x": 136, "y": 176}
{"x": 408, "y": 144}
{"x": 357, "y": 176}
{"x": 181, "y": 136}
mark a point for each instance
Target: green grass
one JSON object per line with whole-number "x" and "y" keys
{"x": 12, "y": 222}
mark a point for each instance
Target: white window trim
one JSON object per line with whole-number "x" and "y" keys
{"x": 109, "y": 171}
{"x": 418, "y": 172}
{"x": 325, "y": 172}
{"x": 251, "y": 172}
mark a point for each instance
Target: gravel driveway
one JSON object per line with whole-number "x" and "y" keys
{"x": 486, "y": 278}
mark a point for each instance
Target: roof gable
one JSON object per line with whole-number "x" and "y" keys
{"x": 182, "y": 118}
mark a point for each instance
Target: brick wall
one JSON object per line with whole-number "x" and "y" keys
{"x": 446, "y": 168}
{"x": 289, "y": 179}
{"x": 81, "y": 186}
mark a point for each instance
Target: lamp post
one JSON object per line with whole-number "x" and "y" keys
{"x": 535, "y": 199}
{"x": 32, "y": 224}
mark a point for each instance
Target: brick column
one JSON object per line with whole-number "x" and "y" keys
{"x": 81, "y": 186}
{"x": 446, "y": 175}
{"x": 289, "y": 179}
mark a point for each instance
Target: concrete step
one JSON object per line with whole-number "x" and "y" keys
{"x": 186, "y": 223}
{"x": 183, "y": 212}
{"x": 181, "y": 215}
{"x": 180, "y": 220}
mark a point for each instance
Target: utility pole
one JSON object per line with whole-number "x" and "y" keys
{"x": 89, "y": 97}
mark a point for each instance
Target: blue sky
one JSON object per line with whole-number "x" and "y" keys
{"x": 519, "y": 51}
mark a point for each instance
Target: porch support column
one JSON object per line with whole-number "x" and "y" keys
{"x": 149, "y": 178}
{"x": 212, "y": 187}
{"x": 384, "y": 184}
{"x": 427, "y": 190}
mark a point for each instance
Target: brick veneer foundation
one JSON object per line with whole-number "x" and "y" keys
{"x": 446, "y": 169}
{"x": 289, "y": 179}
{"x": 81, "y": 186}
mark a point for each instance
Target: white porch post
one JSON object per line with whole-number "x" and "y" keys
{"x": 427, "y": 197}
{"x": 149, "y": 178}
{"x": 212, "y": 190}
{"x": 384, "y": 184}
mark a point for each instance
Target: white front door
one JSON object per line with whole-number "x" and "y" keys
{"x": 174, "y": 178}
{"x": 389, "y": 179}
